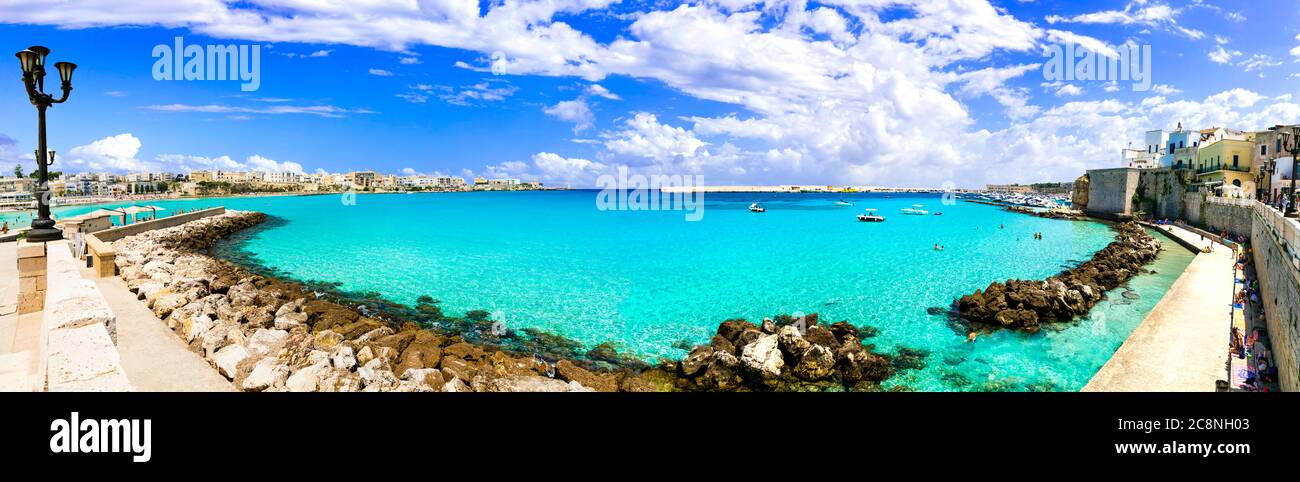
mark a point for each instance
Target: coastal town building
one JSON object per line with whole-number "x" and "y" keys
{"x": 1227, "y": 163}
{"x": 1177, "y": 141}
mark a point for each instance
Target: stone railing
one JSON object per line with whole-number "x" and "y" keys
{"x": 79, "y": 330}
{"x": 99, "y": 246}
{"x": 1230, "y": 201}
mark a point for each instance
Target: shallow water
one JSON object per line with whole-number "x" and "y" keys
{"x": 647, "y": 279}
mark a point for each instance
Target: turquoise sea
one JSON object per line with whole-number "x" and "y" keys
{"x": 647, "y": 279}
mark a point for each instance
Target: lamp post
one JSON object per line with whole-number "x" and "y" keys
{"x": 32, "y": 61}
{"x": 1292, "y": 146}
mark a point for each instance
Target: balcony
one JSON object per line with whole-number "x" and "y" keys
{"x": 1209, "y": 169}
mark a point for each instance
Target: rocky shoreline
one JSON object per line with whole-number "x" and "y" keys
{"x": 268, "y": 334}
{"x": 1028, "y": 304}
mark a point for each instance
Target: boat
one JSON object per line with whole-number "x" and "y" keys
{"x": 842, "y": 202}
{"x": 755, "y": 208}
{"x": 871, "y": 217}
{"x": 915, "y": 210}
{"x": 938, "y": 214}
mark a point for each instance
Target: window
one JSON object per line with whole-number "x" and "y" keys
{"x": 1234, "y": 160}
{"x": 1263, "y": 150}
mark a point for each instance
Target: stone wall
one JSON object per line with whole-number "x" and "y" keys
{"x": 1222, "y": 214}
{"x": 1161, "y": 193}
{"x": 1276, "y": 246}
{"x": 1110, "y": 192}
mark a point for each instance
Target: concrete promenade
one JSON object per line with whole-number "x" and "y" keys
{"x": 1182, "y": 345}
{"x": 154, "y": 358}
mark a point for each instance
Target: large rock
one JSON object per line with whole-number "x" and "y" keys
{"x": 600, "y": 382}
{"x": 227, "y": 359}
{"x": 763, "y": 357}
{"x": 696, "y": 360}
{"x": 817, "y": 363}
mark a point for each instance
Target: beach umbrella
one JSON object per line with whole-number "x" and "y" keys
{"x": 108, "y": 212}
{"x": 153, "y": 210}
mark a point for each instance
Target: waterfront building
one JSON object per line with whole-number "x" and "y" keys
{"x": 1225, "y": 164}
{"x": 284, "y": 177}
{"x": 17, "y": 184}
{"x": 1269, "y": 156}
{"x": 360, "y": 180}
{"x": 1139, "y": 158}
{"x": 1178, "y": 140}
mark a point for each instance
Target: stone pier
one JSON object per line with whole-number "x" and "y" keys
{"x": 1182, "y": 345}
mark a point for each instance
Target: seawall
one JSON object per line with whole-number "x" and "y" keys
{"x": 1276, "y": 246}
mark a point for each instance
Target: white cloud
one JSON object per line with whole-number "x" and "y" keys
{"x": 575, "y": 111}
{"x": 380, "y": 72}
{"x": 1137, "y": 12}
{"x": 1069, "y": 90}
{"x": 644, "y": 137}
{"x": 114, "y": 153}
{"x": 840, "y": 92}
{"x": 316, "y": 110}
{"x": 599, "y": 91}
{"x": 409, "y": 60}
{"x": 478, "y": 93}
{"x": 1222, "y": 55}
{"x": 1164, "y": 89}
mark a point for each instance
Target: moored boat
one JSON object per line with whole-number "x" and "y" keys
{"x": 915, "y": 210}
{"x": 755, "y": 208}
{"x": 871, "y": 217}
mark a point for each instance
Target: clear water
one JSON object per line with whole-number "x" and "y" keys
{"x": 647, "y": 279}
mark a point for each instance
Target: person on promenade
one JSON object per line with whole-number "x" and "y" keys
{"x": 5, "y": 229}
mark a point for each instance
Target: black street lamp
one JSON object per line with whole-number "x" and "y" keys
{"x": 33, "y": 64}
{"x": 1292, "y": 146}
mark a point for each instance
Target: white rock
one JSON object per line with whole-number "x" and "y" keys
{"x": 268, "y": 373}
{"x": 287, "y": 321}
{"x": 763, "y": 356}
{"x": 194, "y": 327}
{"x": 455, "y": 385}
{"x": 306, "y": 379}
{"x": 265, "y": 342}
{"x": 228, "y": 358}
{"x": 343, "y": 358}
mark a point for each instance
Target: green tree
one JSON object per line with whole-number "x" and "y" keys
{"x": 18, "y": 170}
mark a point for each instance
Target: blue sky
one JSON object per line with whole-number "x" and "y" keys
{"x": 880, "y": 92}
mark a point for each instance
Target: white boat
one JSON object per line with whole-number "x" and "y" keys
{"x": 843, "y": 203}
{"x": 915, "y": 210}
{"x": 755, "y": 208}
{"x": 871, "y": 217}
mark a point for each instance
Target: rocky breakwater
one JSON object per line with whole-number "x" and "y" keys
{"x": 269, "y": 334}
{"x": 787, "y": 354}
{"x": 1027, "y": 304}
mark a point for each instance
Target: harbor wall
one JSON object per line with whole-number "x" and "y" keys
{"x": 1162, "y": 194}
{"x": 1110, "y": 192}
{"x": 1276, "y": 246}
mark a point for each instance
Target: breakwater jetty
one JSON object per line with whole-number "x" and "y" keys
{"x": 1026, "y": 304}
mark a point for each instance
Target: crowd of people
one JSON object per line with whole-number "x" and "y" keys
{"x": 1249, "y": 344}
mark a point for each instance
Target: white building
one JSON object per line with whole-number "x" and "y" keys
{"x": 285, "y": 177}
